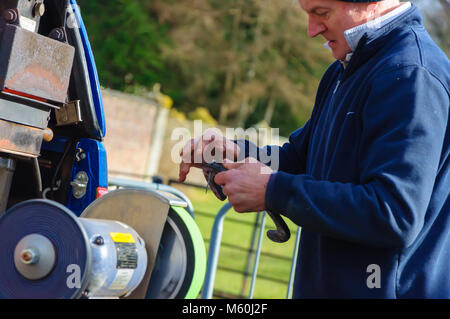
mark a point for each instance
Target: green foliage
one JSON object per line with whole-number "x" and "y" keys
{"x": 126, "y": 43}
{"x": 245, "y": 60}
{"x": 202, "y": 113}
{"x": 240, "y": 54}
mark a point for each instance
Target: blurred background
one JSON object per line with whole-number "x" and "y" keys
{"x": 236, "y": 63}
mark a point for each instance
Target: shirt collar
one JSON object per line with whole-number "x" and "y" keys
{"x": 355, "y": 34}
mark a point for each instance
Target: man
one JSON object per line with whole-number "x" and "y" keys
{"x": 368, "y": 177}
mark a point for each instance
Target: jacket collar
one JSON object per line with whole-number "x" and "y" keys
{"x": 374, "y": 39}
{"x": 355, "y": 34}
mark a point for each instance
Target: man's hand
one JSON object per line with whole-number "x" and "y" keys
{"x": 206, "y": 148}
{"x": 245, "y": 184}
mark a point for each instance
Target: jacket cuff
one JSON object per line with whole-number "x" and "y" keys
{"x": 278, "y": 192}
{"x": 247, "y": 149}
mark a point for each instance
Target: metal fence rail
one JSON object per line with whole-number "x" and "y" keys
{"x": 213, "y": 255}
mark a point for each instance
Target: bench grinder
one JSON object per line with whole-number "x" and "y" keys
{"x": 119, "y": 247}
{"x": 128, "y": 243}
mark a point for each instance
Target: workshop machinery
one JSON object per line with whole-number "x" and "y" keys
{"x": 62, "y": 235}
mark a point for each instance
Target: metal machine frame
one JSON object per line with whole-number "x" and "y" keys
{"x": 52, "y": 126}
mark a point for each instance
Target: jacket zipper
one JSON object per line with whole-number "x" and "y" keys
{"x": 337, "y": 86}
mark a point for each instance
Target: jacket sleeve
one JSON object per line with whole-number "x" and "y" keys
{"x": 404, "y": 124}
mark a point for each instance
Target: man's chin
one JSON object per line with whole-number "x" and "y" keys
{"x": 338, "y": 55}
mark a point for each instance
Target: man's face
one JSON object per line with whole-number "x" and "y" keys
{"x": 330, "y": 18}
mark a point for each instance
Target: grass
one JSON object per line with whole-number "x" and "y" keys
{"x": 275, "y": 259}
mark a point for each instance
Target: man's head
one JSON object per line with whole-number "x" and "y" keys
{"x": 330, "y": 18}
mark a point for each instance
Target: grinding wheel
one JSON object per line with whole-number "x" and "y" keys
{"x": 181, "y": 262}
{"x": 40, "y": 241}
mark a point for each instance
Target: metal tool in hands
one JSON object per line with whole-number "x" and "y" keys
{"x": 210, "y": 170}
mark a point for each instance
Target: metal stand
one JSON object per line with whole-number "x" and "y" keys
{"x": 213, "y": 255}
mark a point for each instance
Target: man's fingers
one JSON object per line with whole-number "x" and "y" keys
{"x": 231, "y": 150}
{"x": 225, "y": 190}
{"x": 222, "y": 178}
{"x": 188, "y": 148}
{"x": 186, "y": 159}
{"x": 184, "y": 170}
{"x": 209, "y": 147}
{"x": 231, "y": 165}
{"x": 202, "y": 144}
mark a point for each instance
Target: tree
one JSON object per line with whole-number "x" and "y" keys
{"x": 244, "y": 60}
{"x": 242, "y": 54}
{"x": 126, "y": 43}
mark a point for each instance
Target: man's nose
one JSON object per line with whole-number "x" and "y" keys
{"x": 315, "y": 27}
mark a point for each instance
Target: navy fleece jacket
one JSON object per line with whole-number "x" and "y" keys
{"x": 368, "y": 177}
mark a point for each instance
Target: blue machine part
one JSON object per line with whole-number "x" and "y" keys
{"x": 90, "y": 159}
{"x": 94, "y": 163}
{"x": 93, "y": 75}
{"x": 60, "y": 226}
{"x": 57, "y": 144}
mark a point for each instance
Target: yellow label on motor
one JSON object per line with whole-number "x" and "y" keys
{"x": 122, "y": 237}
